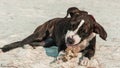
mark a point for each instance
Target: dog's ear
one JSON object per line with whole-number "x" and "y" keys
{"x": 69, "y": 12}
{"x": 100, "y": 30}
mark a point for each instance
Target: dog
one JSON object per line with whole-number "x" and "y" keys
{"x": 54, "y": 32}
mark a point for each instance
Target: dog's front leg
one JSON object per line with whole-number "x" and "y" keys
{"x": 61, "y": 50}
{"x": 89, "y": 54}
{"x": 81, "y": 59}
{"x": 91, "y": 48}
{"x": 88, "y": 47}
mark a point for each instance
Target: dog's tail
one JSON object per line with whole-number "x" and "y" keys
{"x": 17, "y": 44}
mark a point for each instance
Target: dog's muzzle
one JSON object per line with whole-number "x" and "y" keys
{"x": 71, "y": 37}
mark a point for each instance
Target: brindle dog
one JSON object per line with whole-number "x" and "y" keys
{"x": 53, "y": 32}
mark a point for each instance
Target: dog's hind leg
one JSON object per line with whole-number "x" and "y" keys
{"x": 45, "y": 43}
{"x": 35, "y": 44}
{"x": 11, "y": 46}
{"x": 17, "y": 44}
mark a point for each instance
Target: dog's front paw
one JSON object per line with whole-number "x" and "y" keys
{"x": 84, "y": 62}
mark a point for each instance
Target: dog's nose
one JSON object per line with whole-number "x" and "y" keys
{"x": 70, "y": 40}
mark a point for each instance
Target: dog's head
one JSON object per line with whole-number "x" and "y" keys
{"x": 81, "y": 26}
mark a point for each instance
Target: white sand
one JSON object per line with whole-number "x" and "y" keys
{"x": 19, "y": 18}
